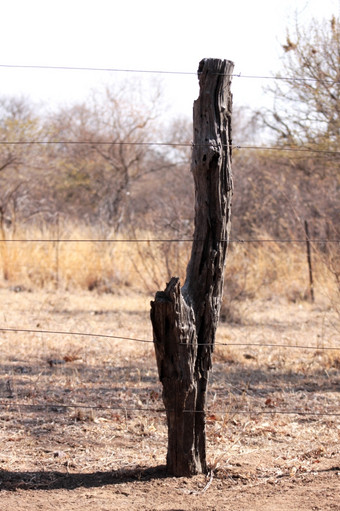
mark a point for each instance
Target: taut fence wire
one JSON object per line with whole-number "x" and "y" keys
{"x": 39, "y": 406}
{"x": 163, "y": 72}
{"x": 163, "y": 240}
{"x": 134, "y": 339}
{"x": 166, "y": 144}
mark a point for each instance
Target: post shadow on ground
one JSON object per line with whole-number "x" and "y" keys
{"x": 54, "y": 480}
{"x": 48, "y": 481}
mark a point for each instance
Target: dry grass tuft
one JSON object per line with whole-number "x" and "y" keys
{"x": 329, "y": 359}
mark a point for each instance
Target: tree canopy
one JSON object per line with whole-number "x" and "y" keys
{"x": 306, "y": 110}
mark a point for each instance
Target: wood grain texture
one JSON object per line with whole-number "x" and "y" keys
{"x": 185, "y": 320}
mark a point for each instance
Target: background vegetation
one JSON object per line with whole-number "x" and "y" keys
{"x": 93, "y": 171}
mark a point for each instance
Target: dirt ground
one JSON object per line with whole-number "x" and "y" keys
{"x": 81, "y": 426}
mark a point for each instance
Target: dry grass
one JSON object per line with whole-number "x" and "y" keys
{"x": 90, "y": 392}
{"x": 75, "y": 263}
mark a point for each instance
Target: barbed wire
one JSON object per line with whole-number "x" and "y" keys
{"x": 126, "y": 409}
{"x": 135, "y": 339}
{"x": 164, "y": 72}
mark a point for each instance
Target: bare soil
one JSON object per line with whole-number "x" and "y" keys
{"x": 81, "y": 425}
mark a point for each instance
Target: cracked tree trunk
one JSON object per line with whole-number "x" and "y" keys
{"x": 185, "y": 320}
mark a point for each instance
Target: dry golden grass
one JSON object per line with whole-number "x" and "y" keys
{"x": 79, "y": 261}
{"x": 254, "y": 270}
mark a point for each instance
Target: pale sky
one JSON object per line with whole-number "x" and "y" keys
{"x": 144, "y": 35}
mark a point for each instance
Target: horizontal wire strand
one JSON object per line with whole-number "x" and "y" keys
{"x": 167, "y": 144}
{"x": 289, "y": 149}
{"x": 96, "y": 142}
{"x": 120, "y": 337}
{"x": 163, "y": 410}
{"x": 165, "y": 240}
{"x": 164, "y": 72}
{"x": 85, "y": 334}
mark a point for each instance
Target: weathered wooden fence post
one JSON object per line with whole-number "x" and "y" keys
{"x": 185, "y": 320}
{"x": 309, "y": 262}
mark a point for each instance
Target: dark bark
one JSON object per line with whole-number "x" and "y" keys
{"x": 185, "y": 320}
